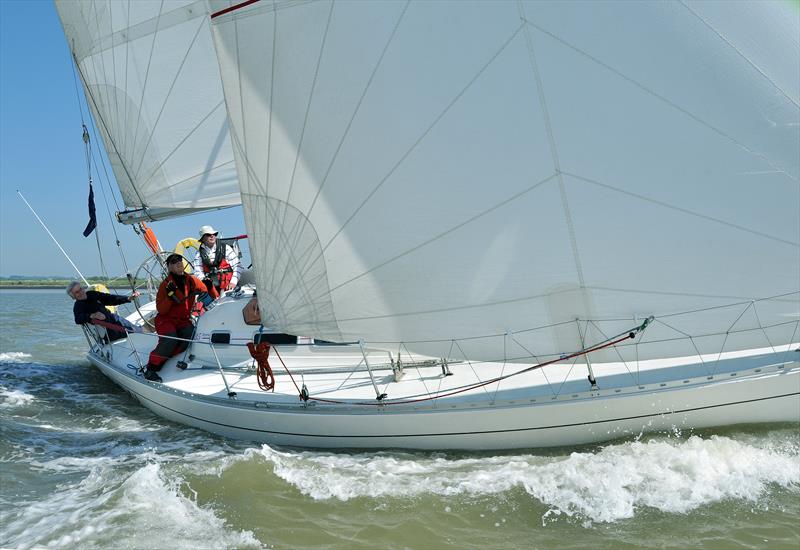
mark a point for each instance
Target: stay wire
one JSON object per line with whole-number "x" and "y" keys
{"x": 88, "y": 154}
{"x": 107, "y": 182}
{"x": 90, "y": 159}
{"x": 72, "y": 63}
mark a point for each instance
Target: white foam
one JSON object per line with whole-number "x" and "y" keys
{"x": 673, "y": 475}
{"x": 14, "y": 357}
{"x": 140, "y": 510}
{"x": 14, "y": 398}
{"x": 74, "y": 464}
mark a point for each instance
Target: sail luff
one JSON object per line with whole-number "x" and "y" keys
{"x": 113, "y": 151}
{"x": 152, "y": 81}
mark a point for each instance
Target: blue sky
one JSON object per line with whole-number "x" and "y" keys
{"x": 42, "y": 155}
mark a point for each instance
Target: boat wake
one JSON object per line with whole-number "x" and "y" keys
{"x": 14, "y": 398}
{"x": 152, "y": 504}
{"x": 14, "y": 357}
{"x": 670, "y": 474}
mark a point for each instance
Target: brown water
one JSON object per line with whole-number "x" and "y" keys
{"x": 82, "y": 465}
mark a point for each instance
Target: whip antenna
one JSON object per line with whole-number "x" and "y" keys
{"x": 52, "y": 237}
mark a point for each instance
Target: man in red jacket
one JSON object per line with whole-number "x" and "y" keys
{"x": 174, "y": 302}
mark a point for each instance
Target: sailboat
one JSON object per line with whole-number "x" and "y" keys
{"x": 477, "y": 225}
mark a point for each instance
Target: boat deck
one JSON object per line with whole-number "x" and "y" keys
{"x": 336, "y": 375}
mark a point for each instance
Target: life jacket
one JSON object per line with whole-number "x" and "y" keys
{"x": 218, "y": 269}
{"x": 176, "y": 306}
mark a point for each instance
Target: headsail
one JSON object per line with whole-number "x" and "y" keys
{"x": 152, "y": 82}
{"x": 469, "y": 179}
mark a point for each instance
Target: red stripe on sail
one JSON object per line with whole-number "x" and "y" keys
{"x": 233, "y": 8}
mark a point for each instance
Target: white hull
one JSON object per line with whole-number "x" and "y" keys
{"x": 761, "y": 389}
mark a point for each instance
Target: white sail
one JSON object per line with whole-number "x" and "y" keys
{"x": 469, "y": 179}
{"x": 152, "y": 81}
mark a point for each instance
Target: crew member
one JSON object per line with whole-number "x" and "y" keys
{"x": 218, "y": 263}
{"x": 91, "y": 305}
{"x": 174, "y": 301}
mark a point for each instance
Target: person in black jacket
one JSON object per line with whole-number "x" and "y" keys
{"x": 90, "y": 304}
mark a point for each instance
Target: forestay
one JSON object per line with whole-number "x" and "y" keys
{"x": 152, "y": 82}
{"x": 468, "y": 179}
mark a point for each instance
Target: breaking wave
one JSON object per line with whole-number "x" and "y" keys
{"x": 14, "y": 357}
{"x": 108, "y": 510}
{"x": 674, "y": 475}
{"x": 14, "y": 398}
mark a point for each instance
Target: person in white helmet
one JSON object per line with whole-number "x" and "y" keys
{"x": 218, "y": 263}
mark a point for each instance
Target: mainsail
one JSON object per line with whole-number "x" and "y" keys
{"x": 502, "y": 180}
{"x": 152, "y": 81}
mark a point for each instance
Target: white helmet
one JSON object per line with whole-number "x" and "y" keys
{"x": 207, "y": 230}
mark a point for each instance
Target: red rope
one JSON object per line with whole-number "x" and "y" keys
{"x": 112, "y": 326}
{"x": 260, "y": 352}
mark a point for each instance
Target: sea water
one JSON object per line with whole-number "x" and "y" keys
{"x": 83, "y": 465}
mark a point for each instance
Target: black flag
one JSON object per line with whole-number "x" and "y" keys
{"x": 92, "y": 215}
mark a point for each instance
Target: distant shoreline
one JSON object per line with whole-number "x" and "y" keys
{"x": 32, "y": 287}
{"x": 53, "y": 287}
{"x": 33, "y": 284}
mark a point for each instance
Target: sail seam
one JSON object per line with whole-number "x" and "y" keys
{"x": 414, "y": 146}
{"x": 103, "y": 63}
{"x": 167, "y": 96}
{"x": 739, "y": 52}
{"x": 131, "y": 33}
{"x": 292, "y": 264}
{"x": 553, "y": 148}
{"x": 446, "y": 232}
{"x": 110, "y": 123}
{"x": 180, "y": 144}
{"x": 683, "y": 210}
{"x": 539, "y": 296}
{"x": 357, "y": 108}
{"x": 272, "y": 108}
{"x": 421, "y": 138}
{"x": 305, "y": 118}
{"x": 197, "y": 175}
{"x": 146, "y": 80}
{"x": 350, "y": 122}
{"x": 127, "y": 50}
{"x": 114, "y": 65}
{"x": 303, "y": 255}
{"x": 662, "y": 98}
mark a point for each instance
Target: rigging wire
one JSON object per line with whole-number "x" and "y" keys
{"x": 91, "y": 160}
{"x": 88, "y": 154}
